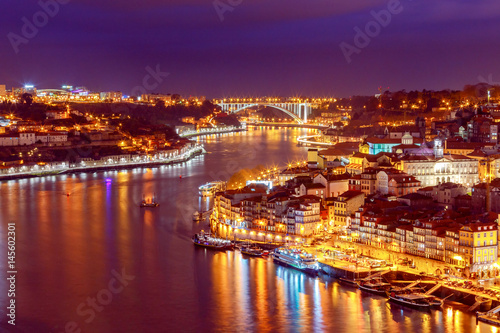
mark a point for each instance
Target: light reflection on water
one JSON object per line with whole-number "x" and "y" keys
{"x": 67, "y": 247}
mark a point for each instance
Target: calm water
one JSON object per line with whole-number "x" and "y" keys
{"x": 69, "y": 250}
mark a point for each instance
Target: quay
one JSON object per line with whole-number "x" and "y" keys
{"x": 202, "y": 132}
{"x": 70, "y": 168}
{"x": 347, "y": 271}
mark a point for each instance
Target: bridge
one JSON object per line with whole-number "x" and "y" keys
{"x": 298, "y": 111}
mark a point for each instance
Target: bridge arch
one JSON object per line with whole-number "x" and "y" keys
{"x": 291, "y": 114}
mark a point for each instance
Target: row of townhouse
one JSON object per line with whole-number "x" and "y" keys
{"x": 460, "y": 244}
{"x": 384, "y": 181}
{"x": 275, "y": 212}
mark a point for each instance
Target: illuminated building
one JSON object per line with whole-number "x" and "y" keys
{"x": 478, "y": 245}
{"x": 344, "y": 205}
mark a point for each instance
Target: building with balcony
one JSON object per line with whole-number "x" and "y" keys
{"x": 478, "y": 244}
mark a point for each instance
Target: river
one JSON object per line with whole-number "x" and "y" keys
{"x": 94, "y": 261}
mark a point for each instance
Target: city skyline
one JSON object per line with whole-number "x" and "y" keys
{"x": 250, "y": 166}
{"x": 258, "y": 48}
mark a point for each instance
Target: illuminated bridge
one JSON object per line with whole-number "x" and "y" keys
{"x": 298, "y": 111}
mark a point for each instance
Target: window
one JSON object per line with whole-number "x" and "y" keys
{"x": 478, "y": 243}
{"x": 478, "y": 235}
{"x": 484, "y": 235}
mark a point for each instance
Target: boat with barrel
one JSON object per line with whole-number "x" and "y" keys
{"x": 375, "y": 286}
{"x": 296, "y": 258}
{"x": 209, "y": 189}
{"x": 149, "y": 203}
{"x": 434, "y": 301}
{"x": 208, "y": 241}
{"x": 253, "y": 251}
{"x": 412, "y": 300}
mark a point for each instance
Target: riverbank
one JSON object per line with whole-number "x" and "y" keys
{"x": 212, "y": 131}
{"x": 308, "y": 141}
{"x": 100, "y": 229}
{"x": 156, "y": 160}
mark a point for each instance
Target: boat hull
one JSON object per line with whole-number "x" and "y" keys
{"x": 373, "y": 291}
{"x": 209, "y": 246}
{"x": 489, "y": 320}
{"x": 349, "y": 282}
{"x": 423, "y": 307}
{"x": 251, "y": 254}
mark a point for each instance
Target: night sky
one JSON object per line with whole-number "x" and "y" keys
{"x": 260, "y": 47}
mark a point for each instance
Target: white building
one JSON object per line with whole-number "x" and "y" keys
{"x": 20, "y": 139}
{"x": 444, "y": 193}
{"x": 334, "y": 185}
{"x": 304, "y": 219}
{"x": 432, "y": 171}
{"x": 52, "y": 137}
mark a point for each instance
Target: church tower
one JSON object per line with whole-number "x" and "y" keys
{"x": 438, "y": 148}
{"x": 407, "y": 139}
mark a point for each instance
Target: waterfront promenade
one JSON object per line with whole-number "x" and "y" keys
{"x": 210, "y": 131}
{"x": 177, "y": 156}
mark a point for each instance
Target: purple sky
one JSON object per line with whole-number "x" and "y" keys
{"x": 259, "y": 48}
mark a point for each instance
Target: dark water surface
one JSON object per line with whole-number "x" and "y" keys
{"x": 96, "y": 262}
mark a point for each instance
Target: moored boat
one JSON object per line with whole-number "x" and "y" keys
{"x": 375, "y": 286}
{"x": 491, "y": 317}
{"x": 196, "y": 216}
{"x": 206, "y": 240}
{"x": 415, "y": 301}
{"x": 252, "y": 251}
{"x": 149, "y": 203}
{"x": 434, "y": 301}
{"x": 211, "y": 188}
{"x": 296, "y": 258}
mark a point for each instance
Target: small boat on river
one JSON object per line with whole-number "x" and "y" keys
{"x": 149, "y": 203}
{"x": 211, "y": 188}
{"x": 252, "y": 251}
{"x": 196, "y": 216}
{"x": 208, "y": 241}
